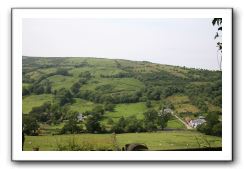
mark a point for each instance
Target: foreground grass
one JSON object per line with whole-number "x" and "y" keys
{"x": 164, "y": 140}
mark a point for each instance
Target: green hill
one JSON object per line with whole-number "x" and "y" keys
{"x": 113, "y": 79}
{"x": 113, "y": 95}
{"x": 126, "y": 84}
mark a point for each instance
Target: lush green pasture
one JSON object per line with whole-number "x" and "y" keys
{"x": 155, "y": 141}
{"x": 76, "y": 71}
{"x": 82, "y": 106}
{"x": 127, "y": 110}
{"x": 59, "y": 81}
{"x": 117, "y": 84}
{"x": 175, "y": 124}
{"x": 34, "y": 100}
{"x": 48, "y": 70}
{"x": 35, "y": 75}
{"x": 46, "y": 129}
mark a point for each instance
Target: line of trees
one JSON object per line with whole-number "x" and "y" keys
{"x": 54, "y": 114}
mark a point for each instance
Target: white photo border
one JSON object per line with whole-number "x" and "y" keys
{"x": 18, "y": 14}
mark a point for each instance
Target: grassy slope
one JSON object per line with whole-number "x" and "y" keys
{"x": 99, "y": 67}
{"x": 154, "y": 141}
{"x": 175, "y": 124}
{"x": 59, "y": 81}
{"x": 82, "y": 106}
{"x": 182, "y": 104}
{"x": 127, "y": 110}
{"x": 118, "y": 84}
{"x": 34, "y": 100}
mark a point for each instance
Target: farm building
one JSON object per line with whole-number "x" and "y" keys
{"x": 167, "y": 110}
{"x": 80, "y": 117}
{"x": 196, "y": 122}
{"x": 201, "y": 117}
{"x": 164, "y": 111}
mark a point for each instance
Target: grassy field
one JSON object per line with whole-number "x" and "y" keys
{"x": 59, "y": 81}
{"x": 175, "y": 124}
{"x": 34, "y": 100}
{"x": 182, "y": 104}
{"x": 127, "y": 110}
{"x": 155, "y": 141}
{"x": 117, "y": 84}
{"x": 82, "y": 106}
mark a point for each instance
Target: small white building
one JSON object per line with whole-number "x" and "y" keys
{"x": 167, "y": 110}
{"x": 164, "y": 111}
{"x": 201, "y": 117}
{"x": 196, "y": 122}
{"x": 80, "y": 117}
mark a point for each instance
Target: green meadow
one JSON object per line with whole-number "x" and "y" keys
{"x": 164, "y": 140}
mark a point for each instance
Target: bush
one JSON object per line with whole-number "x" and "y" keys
{"x": 109, "y": 107}
{"x": 30, "y": 126}
{"x": 119, "y": 127}
{"x": 93, "y": 122}
{"x": 71, "y": 127}
{"x": 63, "y": 72}
{"x": 217, "y": 129}
{"x": 148, "y": 104}
{"x": 213, "y": 126}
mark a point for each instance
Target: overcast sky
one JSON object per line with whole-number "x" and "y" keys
{"x": 183, "y": 42}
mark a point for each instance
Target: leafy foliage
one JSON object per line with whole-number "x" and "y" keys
{"x": 213, "y": 125}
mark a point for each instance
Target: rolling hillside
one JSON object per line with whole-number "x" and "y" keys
{"x": 117, "y": 96}
{"x": 188, "y": 90}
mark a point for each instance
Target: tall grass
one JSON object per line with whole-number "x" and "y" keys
{"x": 76, "y": 144}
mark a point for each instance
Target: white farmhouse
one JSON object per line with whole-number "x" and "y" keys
{"x": 196, "y": 122}
{"x": 80, "y": 117}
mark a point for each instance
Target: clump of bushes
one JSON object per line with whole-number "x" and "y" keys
{"x": 213, "y": 126}
{"x": 152, "y": 121}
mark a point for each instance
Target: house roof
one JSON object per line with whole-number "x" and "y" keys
{"x": 198, "y": 121}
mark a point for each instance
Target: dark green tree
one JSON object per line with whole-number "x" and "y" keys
{"x": 64, "y": 96}
{"x": 151, "y": 119}
{"x": 62, "y": 71}
{"x": 93, "y": 122}
{"x": 148, "y": 104}
{"x": 30, "y": 125}
{"x": 133, "y": 124}
{"x": 71, "y": 126}
{"x": 213, "y": 126}
{"x": 119, "y": 127}
{"x": 75, "y": 88}
{"x": 163, "y": 119}
{"x": 109, "y": 107}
